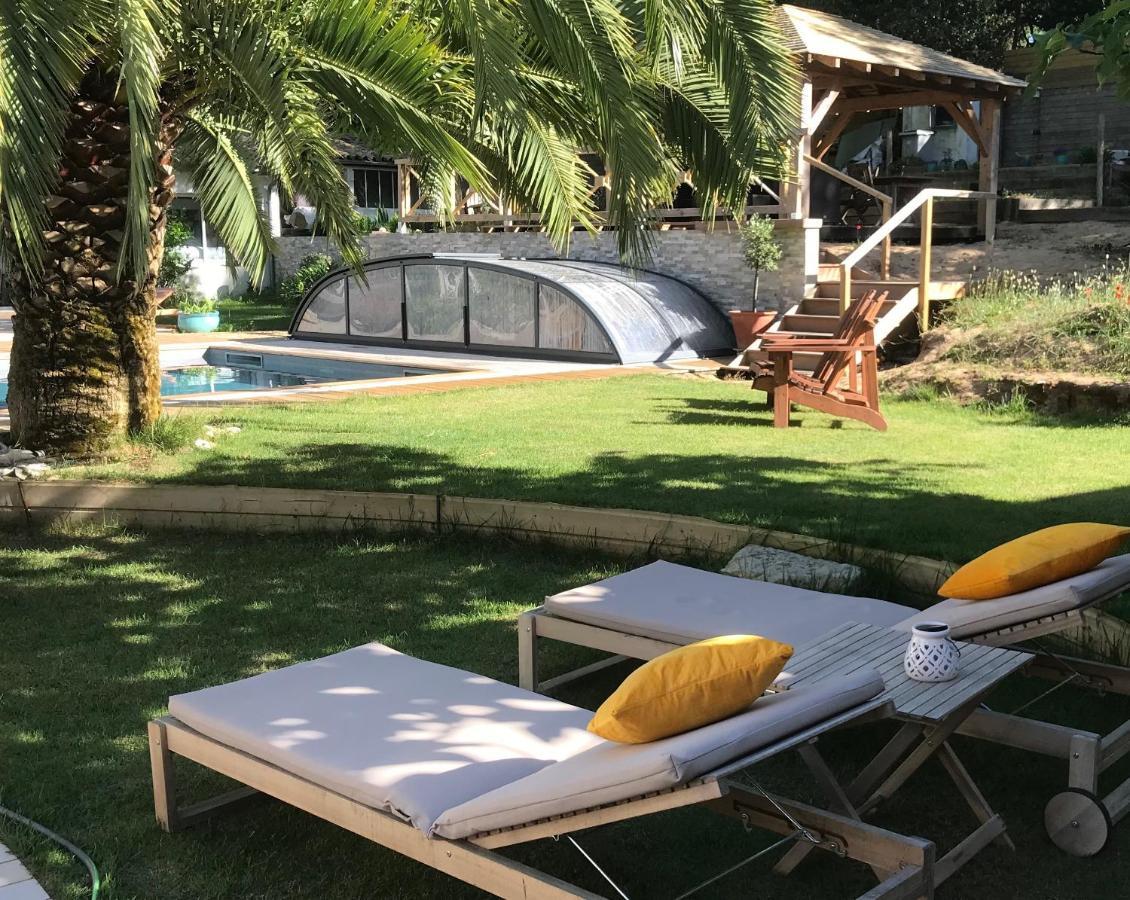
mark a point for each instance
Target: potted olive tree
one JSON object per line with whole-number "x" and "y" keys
{"x": 762, "y": 253}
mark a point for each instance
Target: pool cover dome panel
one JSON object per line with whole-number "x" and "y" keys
{"x": 557, "y": 309}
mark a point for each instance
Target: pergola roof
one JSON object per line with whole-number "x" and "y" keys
{"x": 834, "y": 46}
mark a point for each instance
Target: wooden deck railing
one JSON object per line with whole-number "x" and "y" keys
{"x": 924, "y": 200}
{"x": 519, "y": 219}
{"x": 886, "y": 205}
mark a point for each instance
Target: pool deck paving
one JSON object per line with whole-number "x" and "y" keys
{"x": 16, "y": 882}
{"x": 459, "y": 370}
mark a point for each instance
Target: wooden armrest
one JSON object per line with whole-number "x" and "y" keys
{"x": 813, "y": 344}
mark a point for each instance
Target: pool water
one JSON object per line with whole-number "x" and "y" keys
{"x": 213, "y": 379}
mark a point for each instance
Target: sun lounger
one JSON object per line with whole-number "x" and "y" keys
{"x": 444, "y": 766}
{"x": 650, "y": 610}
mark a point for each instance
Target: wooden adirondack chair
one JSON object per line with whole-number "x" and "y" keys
{"x": 851, "y": 352}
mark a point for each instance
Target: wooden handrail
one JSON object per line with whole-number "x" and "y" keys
{"x": 926, "y": 198}
{"x": 886, "y": 202}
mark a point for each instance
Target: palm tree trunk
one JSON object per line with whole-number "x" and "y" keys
{"x": 84, "y": 364}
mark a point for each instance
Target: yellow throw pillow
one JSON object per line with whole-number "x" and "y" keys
{"x": 690, "y": 687}
{"x": 1036, "y": 559}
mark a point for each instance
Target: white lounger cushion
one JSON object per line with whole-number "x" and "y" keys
{"x": 969, "y": 618}
{"x": 610, "y": 772}
{"x": 679, "y": 605}
{"x": 416, "y": 738}
{"x": 388, "y": 730}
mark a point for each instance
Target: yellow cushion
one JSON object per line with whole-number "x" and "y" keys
{"x": 1036, "y": 559}
{"x": 690, "y": 687}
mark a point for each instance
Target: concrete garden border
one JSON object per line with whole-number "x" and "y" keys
{"x": 259, "y": 509}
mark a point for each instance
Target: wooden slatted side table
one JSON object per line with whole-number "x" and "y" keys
{"x": 930, "y": 712}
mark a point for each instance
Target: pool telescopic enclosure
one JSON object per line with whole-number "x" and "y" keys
{"x": 550, "y": 308}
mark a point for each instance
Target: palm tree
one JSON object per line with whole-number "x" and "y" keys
{"x": 103, "y": 101}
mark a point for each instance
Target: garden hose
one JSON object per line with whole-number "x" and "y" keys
{"x": 77, "y": 852}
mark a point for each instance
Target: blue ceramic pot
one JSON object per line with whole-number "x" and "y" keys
{"x": 198, "y": 323}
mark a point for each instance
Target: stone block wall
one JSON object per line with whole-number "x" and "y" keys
{"x": 709, "y": 261}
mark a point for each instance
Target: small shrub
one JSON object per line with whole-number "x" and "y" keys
{"x": 311, "y": 269}
{"x": 189, "y": 300}
{"x": 168, "y": 434}
{"x": 175, "y": 260}
{"x": 381, "y": 220}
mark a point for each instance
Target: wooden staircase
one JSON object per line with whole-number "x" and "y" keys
{"x": 818, "y": 313}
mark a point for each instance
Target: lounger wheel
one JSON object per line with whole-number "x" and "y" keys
{"x": 1077, "y": 822}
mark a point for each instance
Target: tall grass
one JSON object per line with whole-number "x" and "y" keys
{"x": 1017, "y": 321}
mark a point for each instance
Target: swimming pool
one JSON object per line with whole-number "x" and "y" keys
{"x": 229, "y": 370}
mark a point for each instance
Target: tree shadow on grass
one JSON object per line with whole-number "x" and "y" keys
{"x": 101, "y": 628}
{"x": 885, "y": 503}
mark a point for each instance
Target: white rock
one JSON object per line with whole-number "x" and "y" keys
{"x": 784, "y": 567}
{"x": 209, "y": 431}
{"x": 14, "y": 456}
{"x": 233, "y": 429}
{"x": 201, "y": 444}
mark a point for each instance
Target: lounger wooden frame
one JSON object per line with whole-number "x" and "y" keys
{"x": 906, "y": 864}
{"x": 1087, "y": 754}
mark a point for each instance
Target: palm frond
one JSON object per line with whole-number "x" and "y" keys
{"x": 141, "y": 51}
{"x": 388, "y": 76}
{"x": 43, "y": 50}
{"x": 225, "y": 190}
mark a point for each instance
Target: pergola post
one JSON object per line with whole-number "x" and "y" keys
{"x": 794, "y": 191}
{"x": 404, "y": 187}
{"x": 989, "y": 167}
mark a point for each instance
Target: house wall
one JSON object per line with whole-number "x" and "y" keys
{"x": 709, "y": 261}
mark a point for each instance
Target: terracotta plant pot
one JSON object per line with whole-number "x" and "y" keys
{"x": 748, "y": 325}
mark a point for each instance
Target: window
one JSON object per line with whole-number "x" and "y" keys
{"x": 375, "y": 188}
{"x": 326, "y": 312}
{"x": 434, "y": 299}
{"x": 374, "y": 308}
{"x": 943, "y": 118}
{"x": 502, "y": 308}
{"x": 563, "y": 324}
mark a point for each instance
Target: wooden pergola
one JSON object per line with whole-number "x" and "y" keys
{"x": 850, "y": 69}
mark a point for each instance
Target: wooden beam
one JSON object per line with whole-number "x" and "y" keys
{"x": 821, "y": 110}
{"x": 989, "y": 167}
{"x": 966, "y": 121}
{"x": 795, "y": 190}
{"x": 906, "y": 80}
{"x": 925, "y": 261}
{"x": 832, "y": 135}
{"x": 900, "y": 100}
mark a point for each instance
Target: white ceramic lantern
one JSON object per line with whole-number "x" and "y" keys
{"x": 931, "y": 655}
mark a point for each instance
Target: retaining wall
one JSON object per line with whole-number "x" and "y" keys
{"x": 710, "y": 261}
{"x": 257, "y": 510}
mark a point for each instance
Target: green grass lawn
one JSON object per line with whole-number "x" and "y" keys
{"x": 253, "y": 314}
{"x": 944, "y": 481}
{"x": 100, "y": 627}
